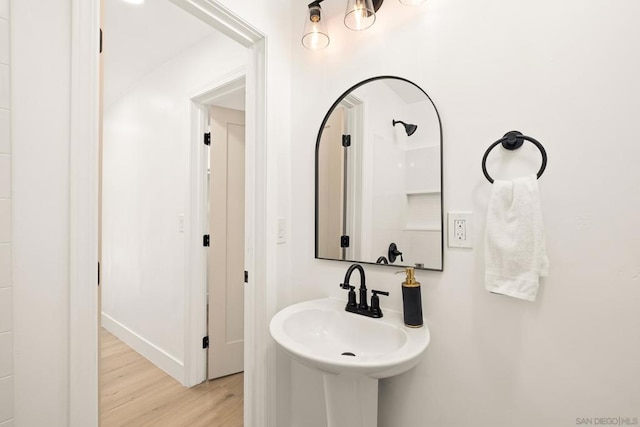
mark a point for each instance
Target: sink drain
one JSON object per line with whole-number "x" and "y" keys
{"x": 348, "y": 353}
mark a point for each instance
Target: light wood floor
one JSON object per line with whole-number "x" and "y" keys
{"x": 134, "y": 392}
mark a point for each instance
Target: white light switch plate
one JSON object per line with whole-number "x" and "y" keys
{"x": 181, "y": 223}
{"x": 282, "y": 230}
{"x": 460, "y": 229}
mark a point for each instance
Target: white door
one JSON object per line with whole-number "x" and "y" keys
{"x": 226, "y": 252}
{"x": 331, "y": 187}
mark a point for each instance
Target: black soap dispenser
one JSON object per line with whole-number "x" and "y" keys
{"x": 412, "y": 300}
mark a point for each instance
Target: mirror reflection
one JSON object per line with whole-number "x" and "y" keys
{"x": 379, "y": 177}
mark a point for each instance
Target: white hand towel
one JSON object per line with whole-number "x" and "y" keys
{"x": 515, "y": 251}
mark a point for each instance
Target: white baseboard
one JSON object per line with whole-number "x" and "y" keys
{"x": 148, "y": 350}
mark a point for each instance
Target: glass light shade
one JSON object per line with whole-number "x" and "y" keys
{"x": 360, "y": 14}
{"x": 413, "y": 2}
{"x": 315, "y": 34}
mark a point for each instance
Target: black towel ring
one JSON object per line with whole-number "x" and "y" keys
{"x": 512, "y": 141}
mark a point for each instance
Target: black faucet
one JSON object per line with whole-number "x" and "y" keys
{"x": 361, "y": 307}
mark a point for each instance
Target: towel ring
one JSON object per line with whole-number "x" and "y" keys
{"x": 511, "y": 141}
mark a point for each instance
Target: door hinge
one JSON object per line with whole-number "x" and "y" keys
{"x": 205, "y": 342}
{"x": 246, "y": 276}
{"x": 207, "y": 138}
{"x": 205, "y": 240}
{"x": 98, "y": 273}
{"x": 346, "y": 141}
{"x": 344, "y": 241}
{"x": 100, "y": 51}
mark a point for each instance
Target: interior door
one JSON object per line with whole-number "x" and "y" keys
{"x": 331, "y": 187}
{"x": 226, "y": 254}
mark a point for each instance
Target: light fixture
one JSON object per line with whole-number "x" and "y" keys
{"x": 408, "y": 128}
{"x": 360, "y": 15}
{"x": 315, "y": 31}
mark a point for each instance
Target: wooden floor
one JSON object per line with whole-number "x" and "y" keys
{"x": 134, "y": 392}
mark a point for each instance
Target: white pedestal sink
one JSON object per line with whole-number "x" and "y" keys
{"x": 352, "y": 352}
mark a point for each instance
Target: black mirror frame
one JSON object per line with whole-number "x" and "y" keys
{"x": 322, "y": 125}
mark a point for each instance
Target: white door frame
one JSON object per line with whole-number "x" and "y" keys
{"x": 195, "y": 322}
{"x": 259, "y": 397}
{"x": 354, "y": 124}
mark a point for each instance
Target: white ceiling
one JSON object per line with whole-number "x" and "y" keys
{"x": 139, "y": 38}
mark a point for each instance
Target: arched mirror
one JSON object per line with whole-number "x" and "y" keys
{"x": 379, "y": 177}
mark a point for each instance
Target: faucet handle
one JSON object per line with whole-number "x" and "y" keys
{"x": 374, "y": 292}
{"x": 375, "y": 302}
{"x": 352, "y": 294}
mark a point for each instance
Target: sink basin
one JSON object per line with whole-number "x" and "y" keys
{"x": 351, "y": 351}
{"x": 322, "y": 335}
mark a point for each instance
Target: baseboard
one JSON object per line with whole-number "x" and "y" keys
{"x": 148, "y": 350}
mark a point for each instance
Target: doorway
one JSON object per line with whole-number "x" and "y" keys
{"x": 149, "y": 285}
{"x": 259, "y": 256}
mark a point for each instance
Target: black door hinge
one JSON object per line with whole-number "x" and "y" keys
{"x": 205, "y": 342}
{"x": 346, "y": 141}
{"x": 100, "y": 41}
{"x": 344, "y": 241}
{"x": 207, "y": 138}
{"x": 205, "y": 240}
{"x": 98, "y": 273}
{"x": 246, "y": 276}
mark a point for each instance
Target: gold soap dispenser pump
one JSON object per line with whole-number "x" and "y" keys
{"x": 412, "y": 300}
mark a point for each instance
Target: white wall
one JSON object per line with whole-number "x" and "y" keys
{"x": 40, "y": 101}
{"x": 6, "y": 291}
{"x": 147, "y": 148}
{"x": 383, "y": 183}
{"x": 564, "y": 73}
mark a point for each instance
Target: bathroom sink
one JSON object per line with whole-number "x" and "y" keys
{"x": 322, "y": 335}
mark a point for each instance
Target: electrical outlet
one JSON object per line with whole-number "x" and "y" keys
{"x": 460, "y": 227}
